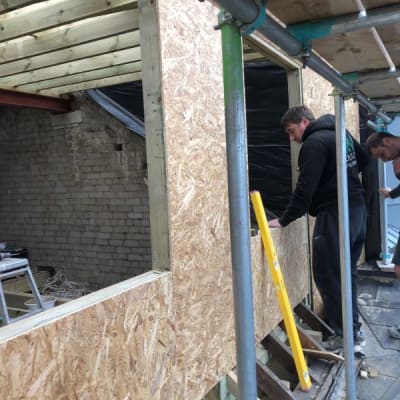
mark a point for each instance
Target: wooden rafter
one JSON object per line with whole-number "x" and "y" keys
{"x": 8, "y": 5}
{"x": 83, "y": 31}
{"x": 74, "y": 67}
{"x": 102, "y": 46}
{"x": 46, "y": 85}
{"x": 115, "y": 80}
{"x": 56, "y": 47}
{"x": 48, "y": 14}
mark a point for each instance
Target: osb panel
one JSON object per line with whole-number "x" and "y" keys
{"x": 197, "y": 190}
{"x": 317, "y": 95}
{"x": 198, "y": 198}
{"x": 291, "y": 247}
{"x": 292, "y": 11}
{"x": 389, "y": 35}
{"x": 352, "y": 118}
{"x": 382, "y": 88}
{"x": 119, "y": 348}
{"x": 354, "y": 51}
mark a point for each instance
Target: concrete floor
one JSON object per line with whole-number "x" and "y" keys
{"x": 379, "y": 299}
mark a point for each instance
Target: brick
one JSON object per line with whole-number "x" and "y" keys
{"x": 68, "y": 197}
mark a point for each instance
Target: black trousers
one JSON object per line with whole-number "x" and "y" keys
{"x": 326, "y": 262}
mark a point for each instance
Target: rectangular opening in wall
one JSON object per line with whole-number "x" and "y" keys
{"x": 74, "y": 197}
{"x": 268, "y": 147}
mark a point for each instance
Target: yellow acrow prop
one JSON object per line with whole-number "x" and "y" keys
{"x": 283, "y": 299}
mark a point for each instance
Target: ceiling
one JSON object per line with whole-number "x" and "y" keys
{"x": 354, "y": 51}
{"x": 56, "y": 47}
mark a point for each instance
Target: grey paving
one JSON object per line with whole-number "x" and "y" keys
{"x": 379, "y": 309}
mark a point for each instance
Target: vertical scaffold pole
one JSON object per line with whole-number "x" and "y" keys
{"x": 344, "y": 244}
{"x": 235, "y": 119}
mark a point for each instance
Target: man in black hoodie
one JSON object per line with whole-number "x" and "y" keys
{"x": 316, "y": 193}
{"x": 386, "y": 146}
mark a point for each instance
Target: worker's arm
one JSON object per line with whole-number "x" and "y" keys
{"x": 392, "y": 193}
{"x": 312, "y": 159}
{"x": 395, "y": 192}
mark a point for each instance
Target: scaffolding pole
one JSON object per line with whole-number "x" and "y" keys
{"x": 236, "y": 140}
{"x": 344, "y": 240}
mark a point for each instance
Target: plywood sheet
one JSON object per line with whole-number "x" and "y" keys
{"x": 383, "y": 88}
{"x": 390, "y": 35}
{"x": 293, "y": 11}
{"x": 347, "y": 52}
{"x": 291, "y": 244}
{"x": 352, "y": 51}
{"x": 197, "y": 182}
{"x": 119, "y": 347}
{"x": 198, "y": 195}
{"x": 317, "y": 95}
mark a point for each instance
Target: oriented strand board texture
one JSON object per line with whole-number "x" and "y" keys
{"x": 317, "y": 94}
{"x": 291, "y": 244}
{"x": 119, "y": 348}
{"x": 351, "y": 51}
{"x": 197, "y": 181}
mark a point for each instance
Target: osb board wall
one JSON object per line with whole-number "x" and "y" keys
{"x": 173, "y": 338}
{"x": 291, "y": 244}
{"x": 317, "y": 95}
{"x": 197, "y": 191}
{"x": 120, "y": 347}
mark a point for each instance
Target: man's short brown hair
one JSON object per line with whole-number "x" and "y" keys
{"x": 295, "y": 114}
{"x": 376, "y": 140}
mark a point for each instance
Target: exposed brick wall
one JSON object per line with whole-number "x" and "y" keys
{"x": 73, "y": 191}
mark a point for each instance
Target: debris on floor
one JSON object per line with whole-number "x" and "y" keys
{"x": 59, "y": 286}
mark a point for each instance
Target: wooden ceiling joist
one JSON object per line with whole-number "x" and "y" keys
{"x": 101, "y": 46}
{"x": 8, "y": 5}
{"x": 82, "y": 77}
{"x": 74, "y": 67}
{"x": 83, "y": 31}
{"x": 114, "y": 80}
{"x": 51, "y": 13}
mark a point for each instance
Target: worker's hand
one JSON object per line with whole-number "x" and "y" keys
{"x": 274, "y": 223}
{"x": 397, "y": 271}
{"x": 385, "y": 191}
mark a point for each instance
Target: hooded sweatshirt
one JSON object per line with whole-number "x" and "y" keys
{"x": 316, "y": 187}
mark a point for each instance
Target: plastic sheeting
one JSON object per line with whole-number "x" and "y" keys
{"x": 129, "y": 96}
{"x": 131, "y": 121}
{"x": 268, "y": 147}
